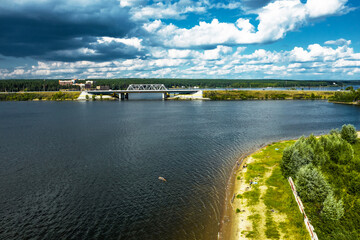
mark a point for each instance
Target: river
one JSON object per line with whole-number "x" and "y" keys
{"x": 89, "y": 170}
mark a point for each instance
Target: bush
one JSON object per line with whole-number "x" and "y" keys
{"x": 348, "y": 133}
{"x": 339, "y": 150}
{"x": 355, "y": 184}
{"x": 296, "y": 156}
{"x": 333, "y": 209}
{"x": 311, "y": 184}
{"x": 58, "y": 96}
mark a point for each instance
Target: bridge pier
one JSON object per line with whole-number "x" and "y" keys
{"x": 165, "y": 96}
{"x": 123, "y": 96}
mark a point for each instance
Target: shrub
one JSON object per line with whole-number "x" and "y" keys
{"x": 339, "y": 150}
{"x": 334, "y": 131}
{"x": 311, "y": 184}
{"x": 333, "y": 209}
{"x": 320, "y": 156}
{"x": 348, "y": 133}
{"x": 355, "y": 184}
{"x": 296, "y": 156}
{"x": 58, "y": 96}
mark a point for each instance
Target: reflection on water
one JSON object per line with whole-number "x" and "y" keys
{"x": 90, "y": 170}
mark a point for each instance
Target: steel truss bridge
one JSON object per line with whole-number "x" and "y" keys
{"x": 143, "y": 88}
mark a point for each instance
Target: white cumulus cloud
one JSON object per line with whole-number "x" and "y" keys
{"x": 275, "y": 20}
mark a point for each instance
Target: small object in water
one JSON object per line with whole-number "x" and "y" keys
{"x": 162, "y": 179}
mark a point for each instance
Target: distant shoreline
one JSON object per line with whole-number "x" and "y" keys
{"x": 214, "y": 95}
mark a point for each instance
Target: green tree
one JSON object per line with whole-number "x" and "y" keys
{"x": 311, "y": 184}
{"x": 339, "y": 150}
{"x": 333, "y": 209}
{"x": 348, "y": 132}
{"x": 335, "y": 131}
{"x": 320, "y": 156}
{"x": 296, "y": 156}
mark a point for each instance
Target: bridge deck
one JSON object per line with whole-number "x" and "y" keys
{"x": 179, "y": 91}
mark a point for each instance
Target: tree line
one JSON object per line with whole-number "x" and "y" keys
{"x": 349, "y": 96}
{"x": 123, "y": 83}
{"x": 33, "y": 85}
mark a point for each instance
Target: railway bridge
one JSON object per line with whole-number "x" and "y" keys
{"x": 143, "y": 88}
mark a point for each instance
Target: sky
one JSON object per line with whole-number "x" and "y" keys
{"x": 244, "y": 39}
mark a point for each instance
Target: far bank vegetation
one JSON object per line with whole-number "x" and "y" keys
{"x": 350, "y": 96}
{"x": 267, "y": 95}
{"x": 33, "y": 96}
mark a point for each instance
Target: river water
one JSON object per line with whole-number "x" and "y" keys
{"x": 89, "y": 170}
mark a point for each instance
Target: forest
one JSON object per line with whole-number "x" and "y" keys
{"x": 326, "y": 171}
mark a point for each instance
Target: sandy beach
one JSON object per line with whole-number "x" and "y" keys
{"x": 256, "y": 210}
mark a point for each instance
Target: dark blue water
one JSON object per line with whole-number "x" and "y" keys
{"x": 71, "y": 170}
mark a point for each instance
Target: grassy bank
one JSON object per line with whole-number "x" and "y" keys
{"x": 266, "y": 209}
{"x": 267, "y": 95}
{"x": 34, "y": 96}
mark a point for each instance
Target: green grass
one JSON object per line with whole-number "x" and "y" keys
{"x": 252, "y": 196}
{"x": 254, "y": 170}
{"x": 255, "y": 218}
{"x": 277, "y": 197}
{"x": 271, "y": 227}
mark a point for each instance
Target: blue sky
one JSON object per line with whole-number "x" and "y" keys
{"x": 284, "y": 39}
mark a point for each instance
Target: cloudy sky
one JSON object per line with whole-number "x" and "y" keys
{"x": 286, "y": 39}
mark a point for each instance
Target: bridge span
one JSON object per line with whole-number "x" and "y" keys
{"x": 143, "y": 88}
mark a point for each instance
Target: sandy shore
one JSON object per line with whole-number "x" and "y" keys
{"x": 231, "y": 223}
{"x": 234, "y": 224}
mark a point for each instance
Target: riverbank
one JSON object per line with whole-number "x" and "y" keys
{"x": 266, "y": 208}
{"x": 39, "y": 96}
{"x": 268, "y": 95}
{"x": 201, "y": 95}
